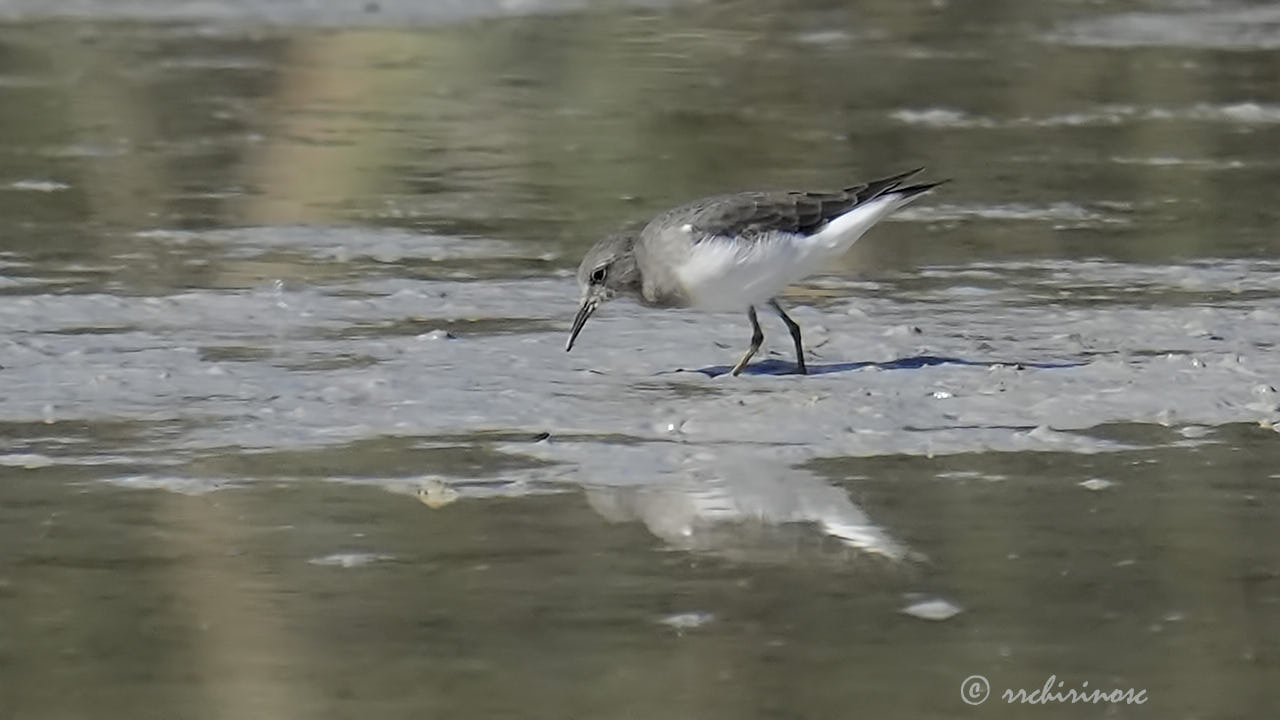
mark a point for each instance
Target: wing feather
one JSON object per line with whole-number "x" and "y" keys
{"x": 751, "y": 215}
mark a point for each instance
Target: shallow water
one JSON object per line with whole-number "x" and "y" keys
{"x": 290, "y": 431}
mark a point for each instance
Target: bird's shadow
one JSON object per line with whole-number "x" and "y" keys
{"x": 773, "y": 366}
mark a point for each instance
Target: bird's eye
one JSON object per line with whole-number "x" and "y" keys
{"x": 597, "y": 276}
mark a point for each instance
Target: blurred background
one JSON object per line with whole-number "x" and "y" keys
{"x": 288, "y": 431}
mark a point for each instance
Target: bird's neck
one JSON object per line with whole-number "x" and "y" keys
{"x": 625, "y": 276}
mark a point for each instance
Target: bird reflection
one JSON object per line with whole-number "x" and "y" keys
{"x": 748, "y": 509}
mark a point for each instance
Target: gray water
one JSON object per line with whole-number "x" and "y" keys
{"x": 289, "y": 431}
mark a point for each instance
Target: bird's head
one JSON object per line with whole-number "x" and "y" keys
{"x": 609, "y": 269}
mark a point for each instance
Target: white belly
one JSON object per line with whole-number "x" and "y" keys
{"x": 729, "y": 274}
{"x": 724, "y": 273}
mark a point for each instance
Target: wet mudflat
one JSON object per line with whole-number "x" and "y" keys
{"x": 289, "y": 431}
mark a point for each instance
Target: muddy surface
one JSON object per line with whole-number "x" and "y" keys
{"x": 289, "y": 429}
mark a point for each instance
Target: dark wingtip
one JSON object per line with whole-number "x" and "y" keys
{"x": 913, "y": 190}
{"x": 876, "y": 188}
{"x": 892, "y": 182}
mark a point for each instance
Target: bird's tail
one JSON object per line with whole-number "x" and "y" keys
{"x": 893, "y": 186}
{"x": 876, "y": 201}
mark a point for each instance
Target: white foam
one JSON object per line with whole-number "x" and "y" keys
{"x": 1229, "y": 28}
{"x": 1243, "y": 113}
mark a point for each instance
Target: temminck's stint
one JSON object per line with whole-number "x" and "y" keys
{"x": 734, "y": 252}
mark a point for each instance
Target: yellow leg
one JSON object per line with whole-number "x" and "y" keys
{"x": 757, "y": 337}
